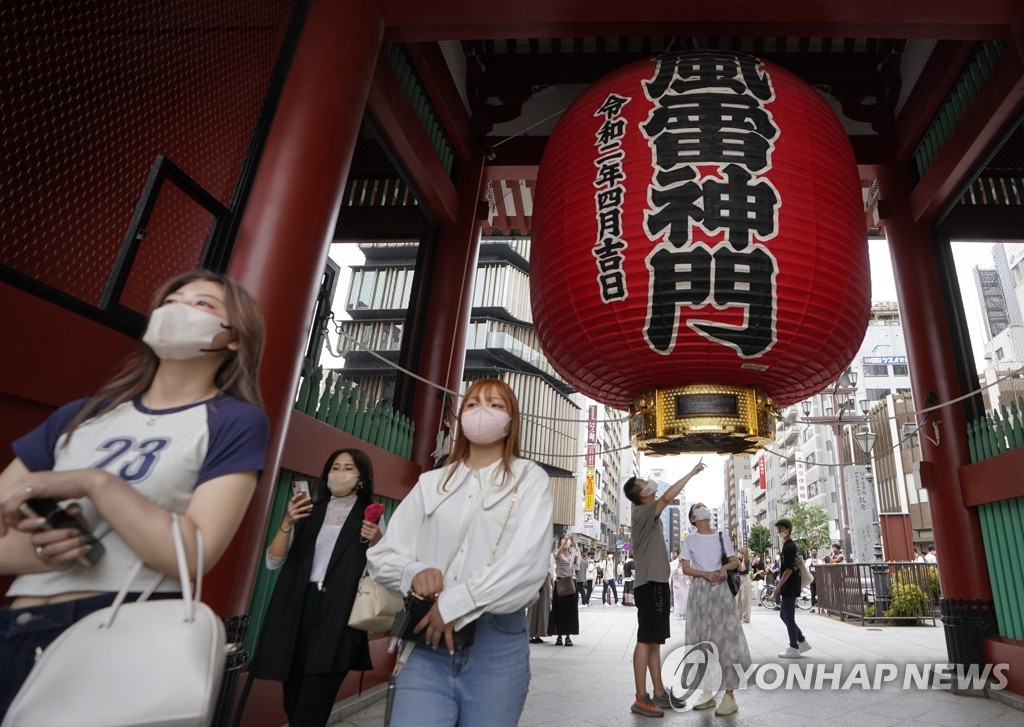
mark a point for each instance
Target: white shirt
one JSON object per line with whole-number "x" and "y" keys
{"x": 704, "y": 551}
{"x": 428, "y": 520}
{"x": 930, "y": 558}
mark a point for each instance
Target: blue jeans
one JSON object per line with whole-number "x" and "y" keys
{"x": 787, "y": 612}
{"x": 484, "y": 684}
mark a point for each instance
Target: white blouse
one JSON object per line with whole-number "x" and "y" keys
{"x": 427, "y": 521}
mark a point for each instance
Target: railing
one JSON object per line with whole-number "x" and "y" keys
{"x": 898, "y": 593}
{"x": 341, "y": 404}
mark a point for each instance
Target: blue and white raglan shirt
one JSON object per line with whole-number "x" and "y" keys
{"x": 165, "y": 455}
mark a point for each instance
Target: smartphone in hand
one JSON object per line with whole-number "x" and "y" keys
{"x": 56, "y": 518}
{"x": 300, "y": 486}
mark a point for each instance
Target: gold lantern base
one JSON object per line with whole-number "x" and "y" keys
{"x": 702, "y": 418}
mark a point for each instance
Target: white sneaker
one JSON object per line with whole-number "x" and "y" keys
{"x": 727, "y": 706}
{"x": 706, "y": 700}
{"x": 790, "y": 653}
{"x": 804, "y": 646}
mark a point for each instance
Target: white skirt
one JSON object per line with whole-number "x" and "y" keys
{"x": 711, "y": 616}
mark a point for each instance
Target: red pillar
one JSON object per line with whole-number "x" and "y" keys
{"x": 289, "y": 221}
{"x": 443, "y": 352}
{"x": 968, "y": 613}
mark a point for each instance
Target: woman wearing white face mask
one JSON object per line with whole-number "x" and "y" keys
{"x": 711, "y": 609}
{"x": 179, "y": 429}
{"x": 472, "y": 537}
{"x": 305, "y": 641}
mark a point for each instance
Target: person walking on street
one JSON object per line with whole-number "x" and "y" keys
{"x": 788, "y": 591}
{"x": 743, "y": 597}
{"x": 609, "y": 580}
{"x": 565, "y": 615}
{"x": 651, "y": 589}
{"x": 591, "y": 577}
{"x": 812, "y": 563}
{"x": 627, "y": 580}
{"x": 581, "y": 578}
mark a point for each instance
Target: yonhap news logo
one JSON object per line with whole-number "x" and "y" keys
{"x": 689, "y": 670}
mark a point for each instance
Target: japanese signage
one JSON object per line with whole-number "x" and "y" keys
{"x": 711, "y": 139}
{"x": 884, "y": 360}
{"x": 863, "y": 513}
{"x": 609, "y": 248}
{"x": 588, "y": 496}
{"x": 588, "y": 491}
{"x": 801, "y": 481}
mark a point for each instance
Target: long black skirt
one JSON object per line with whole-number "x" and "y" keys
{"x": 565, "y": 616}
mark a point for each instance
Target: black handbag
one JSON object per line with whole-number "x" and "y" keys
{"x": 733, "y": 575}
{"x": 414, "y": 611}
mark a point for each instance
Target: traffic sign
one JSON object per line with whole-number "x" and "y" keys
{"x": 626, "y": 546}
{"x": 618, "y": 543}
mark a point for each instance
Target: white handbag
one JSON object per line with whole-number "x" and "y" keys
{"x": 806, "y": 577}
{"x": 155, "y": 663}
{"x": 375, "y": 606}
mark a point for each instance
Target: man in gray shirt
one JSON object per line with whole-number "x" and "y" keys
{"x": 650, "y": 588}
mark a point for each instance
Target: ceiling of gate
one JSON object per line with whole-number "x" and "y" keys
{"x": 519, "y": 65}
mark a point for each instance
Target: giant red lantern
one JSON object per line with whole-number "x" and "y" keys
{"x": 699, "y": 248}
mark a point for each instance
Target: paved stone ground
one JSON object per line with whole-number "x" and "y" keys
{"x": 591, "y": 684}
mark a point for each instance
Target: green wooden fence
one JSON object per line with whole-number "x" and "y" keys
{"x": 975, "y": 73}
{"x": 420, "y": 101}
{"x": 343, "y": 405}
{"x": 267, "y": 579}
{"x": 1002, "y": 523}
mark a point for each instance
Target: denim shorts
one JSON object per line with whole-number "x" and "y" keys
{"x": 484, "y": 684}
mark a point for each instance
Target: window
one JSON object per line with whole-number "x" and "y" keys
{"x": 999, "y": 354}
{"x": 877, "y": 394}
{"x": 900, "y": 370}
{"x": 876, "y": 370}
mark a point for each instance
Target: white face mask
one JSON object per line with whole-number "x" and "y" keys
{"x": 178, "y": 331}
{"x": 649, "y": 489}
{"x": 701, "y": 513}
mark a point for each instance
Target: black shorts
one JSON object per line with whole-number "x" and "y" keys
{"x": 652, "y": 612}
{"x": 627, "y": 587}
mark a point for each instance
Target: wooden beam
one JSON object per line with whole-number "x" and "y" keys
{"x": 995, "y": 106}
{"x": 415, "y": 20}
{"x": 517, "y": 202}
{"x": 511, "y": 171}
{"x": 404, "y": 134}
{"x": 500, "y": 223}
{"x": 935, "y": 82}
{"x": 440, "y": 87}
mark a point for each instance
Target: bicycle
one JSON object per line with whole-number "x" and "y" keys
{"x": 766, "y": 596}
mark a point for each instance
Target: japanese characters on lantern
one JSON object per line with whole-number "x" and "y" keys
{"x": 711, "y": 138}
{"x": 608, "y": 199}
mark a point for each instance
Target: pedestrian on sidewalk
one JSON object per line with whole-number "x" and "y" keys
{"x": 651, "y": 589}
{"x": 627, "y": 580}
{"x": 565, "y": 615}
{"x": 812, "y": 563}
{"x": 743, "y": 597}
{"x": 680, "y": 588}
{"x": 609, "y": 580}
{"x": 711, "y": 612}
{"x": 788, "y": 591}
{"x": 581, "y": 577}
{"x": 592, "y": 570}
{"x": 538, "y": 611}
{"x": 500, "y": 506}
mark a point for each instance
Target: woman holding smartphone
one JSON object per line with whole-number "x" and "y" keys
{"x": 472, "y": 538}
{"x": 320, "y": 547}
{"x": 179, "y": 429}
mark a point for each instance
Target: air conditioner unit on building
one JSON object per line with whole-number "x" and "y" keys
{"x": 908, "y": 430}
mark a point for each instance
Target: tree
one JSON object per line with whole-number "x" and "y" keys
{"x": 810, "y": 525}
{"x": 759, "y": 539}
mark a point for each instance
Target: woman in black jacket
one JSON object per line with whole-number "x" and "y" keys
{"x": 305, "y": 641}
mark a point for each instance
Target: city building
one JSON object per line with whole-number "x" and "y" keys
{"x": 500, "y": 343}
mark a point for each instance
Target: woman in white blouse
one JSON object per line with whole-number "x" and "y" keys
{"x": 481, "y": 583}
{"x": 305, "y": 641}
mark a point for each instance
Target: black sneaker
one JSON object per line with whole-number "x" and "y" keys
{"x": 645, "y": 707}
{"x": 668, "y": 701}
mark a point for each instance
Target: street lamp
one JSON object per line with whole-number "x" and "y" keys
{"x": 837, "y": 402}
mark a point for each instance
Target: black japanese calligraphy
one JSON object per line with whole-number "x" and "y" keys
{"x": 709, "y": 111}
{"x": 609, "y": 198}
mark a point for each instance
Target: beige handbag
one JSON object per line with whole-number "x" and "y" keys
{"x": 375, "y": 606}
{"x": 156, "y": 663}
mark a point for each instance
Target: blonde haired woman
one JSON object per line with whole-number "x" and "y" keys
{"x": 503, "y": 505}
